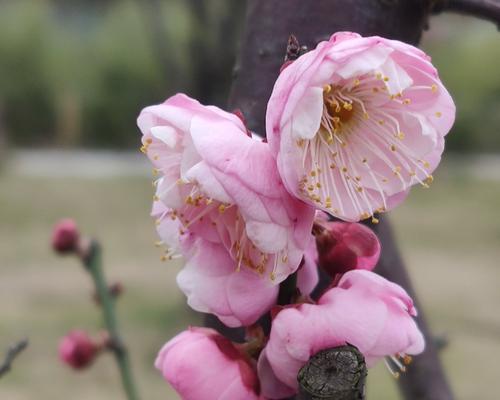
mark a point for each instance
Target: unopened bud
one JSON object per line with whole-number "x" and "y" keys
{"x": 77, "y": 349}
{"x": 65, "y": 236}
{"x": 344, "y": 246}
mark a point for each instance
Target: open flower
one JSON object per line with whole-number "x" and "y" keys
{"x": 201, "y": 364}
{"x": 364, "y": 310}
{"x": 344, "y": 246}
{"x": 220, "y": 191}
{"x": 357, "y": 121}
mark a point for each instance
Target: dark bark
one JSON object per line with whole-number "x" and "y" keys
{"x": 485, "y": 9}
{"x": 334, "y": 374}
{"x": 268, "y": 26}
{"x": 12, "y": 352}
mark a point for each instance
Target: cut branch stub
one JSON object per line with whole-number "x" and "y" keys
{"x": 338, "y": 373}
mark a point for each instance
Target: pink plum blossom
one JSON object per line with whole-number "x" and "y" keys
{"x": 364, "y": 310}
{"x": 356, "y": 122}
{"x": 77, "y": 349}
{"x": 220, "y": 197}
{"x": 201, "y": 364}
{"x": 344, "y": 246}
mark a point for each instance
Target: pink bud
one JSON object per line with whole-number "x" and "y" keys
{"x": 65, "y": 236}
{"x": 346, "y": 246}
{"x": 77, "y": 349}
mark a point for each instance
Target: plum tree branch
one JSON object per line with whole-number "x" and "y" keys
{"x": 12, "y": 352}
{"x": 485, "y": 9}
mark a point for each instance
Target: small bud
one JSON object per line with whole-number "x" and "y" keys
{"x": 65, "y": 237}
{"x": 115, "y": 290}
{"x": 344, "y": 246}
{"x": 77, "y": 349}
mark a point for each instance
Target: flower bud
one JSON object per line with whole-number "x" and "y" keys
{"x": 344, "y": 246}
{"x": 201, "y": 364}
{"x": 65, "y": 236}
{"x": 77, "y": 349}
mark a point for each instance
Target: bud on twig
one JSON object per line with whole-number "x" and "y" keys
{"x": 115, "y": 290}
{"x": 65, "y": 237}
{"x": 78, "y": 350}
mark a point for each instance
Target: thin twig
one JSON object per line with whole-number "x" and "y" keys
{"x": 485, "y": 9}
{"x": 12, "y": 352}
{"x": 94, "y": 265}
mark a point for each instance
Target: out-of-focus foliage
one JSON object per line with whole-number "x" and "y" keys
{"x": 467, "y": 54}
{"x": 77, "y": 72}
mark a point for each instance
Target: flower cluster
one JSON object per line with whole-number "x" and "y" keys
{"x": 350, "y": 127}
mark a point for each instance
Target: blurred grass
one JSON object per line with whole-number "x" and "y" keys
{"x": 449, "y": 236}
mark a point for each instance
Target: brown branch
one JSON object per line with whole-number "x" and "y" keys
{"x": 12, "y": 352}
{"x": 269, "y": 24}
{"x": 485, "y": 9}
{"x": 333, "y": 374}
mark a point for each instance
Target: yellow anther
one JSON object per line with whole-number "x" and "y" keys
{"x": 143, "y": 149}
{"x": 310, "y": 188}
{"x": 365, "y": 115}
{"x": 149, "y": 141}
{"x": 300, "y": 142}
{"x": 375, "y": 220}
{"x": 386, "y": 79}
{"x": 327, "y": 89}
{"x": 429, "y": 179}
{"x": 313, "y": 173}
{"x": 356, "y": 82}
{"x": 155, "y": 171}
{"x": 434, "y": 88}
{"x": 407, "y": 360}
{"x": 156, "y": 198}
{"x": 222, "y": 208}
{"x": 400, "y": 135}
{"x": 381, "y": 122}
{"x": 359, "y": 189}
{"x": 378, "y": 75}
{"x": 407, "y": 101}
{"x": 208, "y": 201}
{"x": 156, "y": 157}
{"x": 158, "y": 243}
{"x": 438, "y": 114}
{"x": 318, "y": 185}
{"x": 344, "y": 169}
{"x": 284, "y": 259}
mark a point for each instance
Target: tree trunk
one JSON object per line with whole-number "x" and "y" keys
{"x": 269, "y": 23}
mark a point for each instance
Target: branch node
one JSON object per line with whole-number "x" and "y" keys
{"x": 338, "y": 373}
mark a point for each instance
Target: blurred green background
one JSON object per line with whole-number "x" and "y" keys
{"x": 74, "y": 75}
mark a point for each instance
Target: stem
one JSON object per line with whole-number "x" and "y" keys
{"x": 94, "y": 266}
{"x": 338, "y": 373}
{"x": 11, "y": 354}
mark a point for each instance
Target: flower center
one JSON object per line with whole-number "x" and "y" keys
{"x": 338, "y": 108}
{"x": 360, "y": 148}
{"x": 206, "y": 216}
